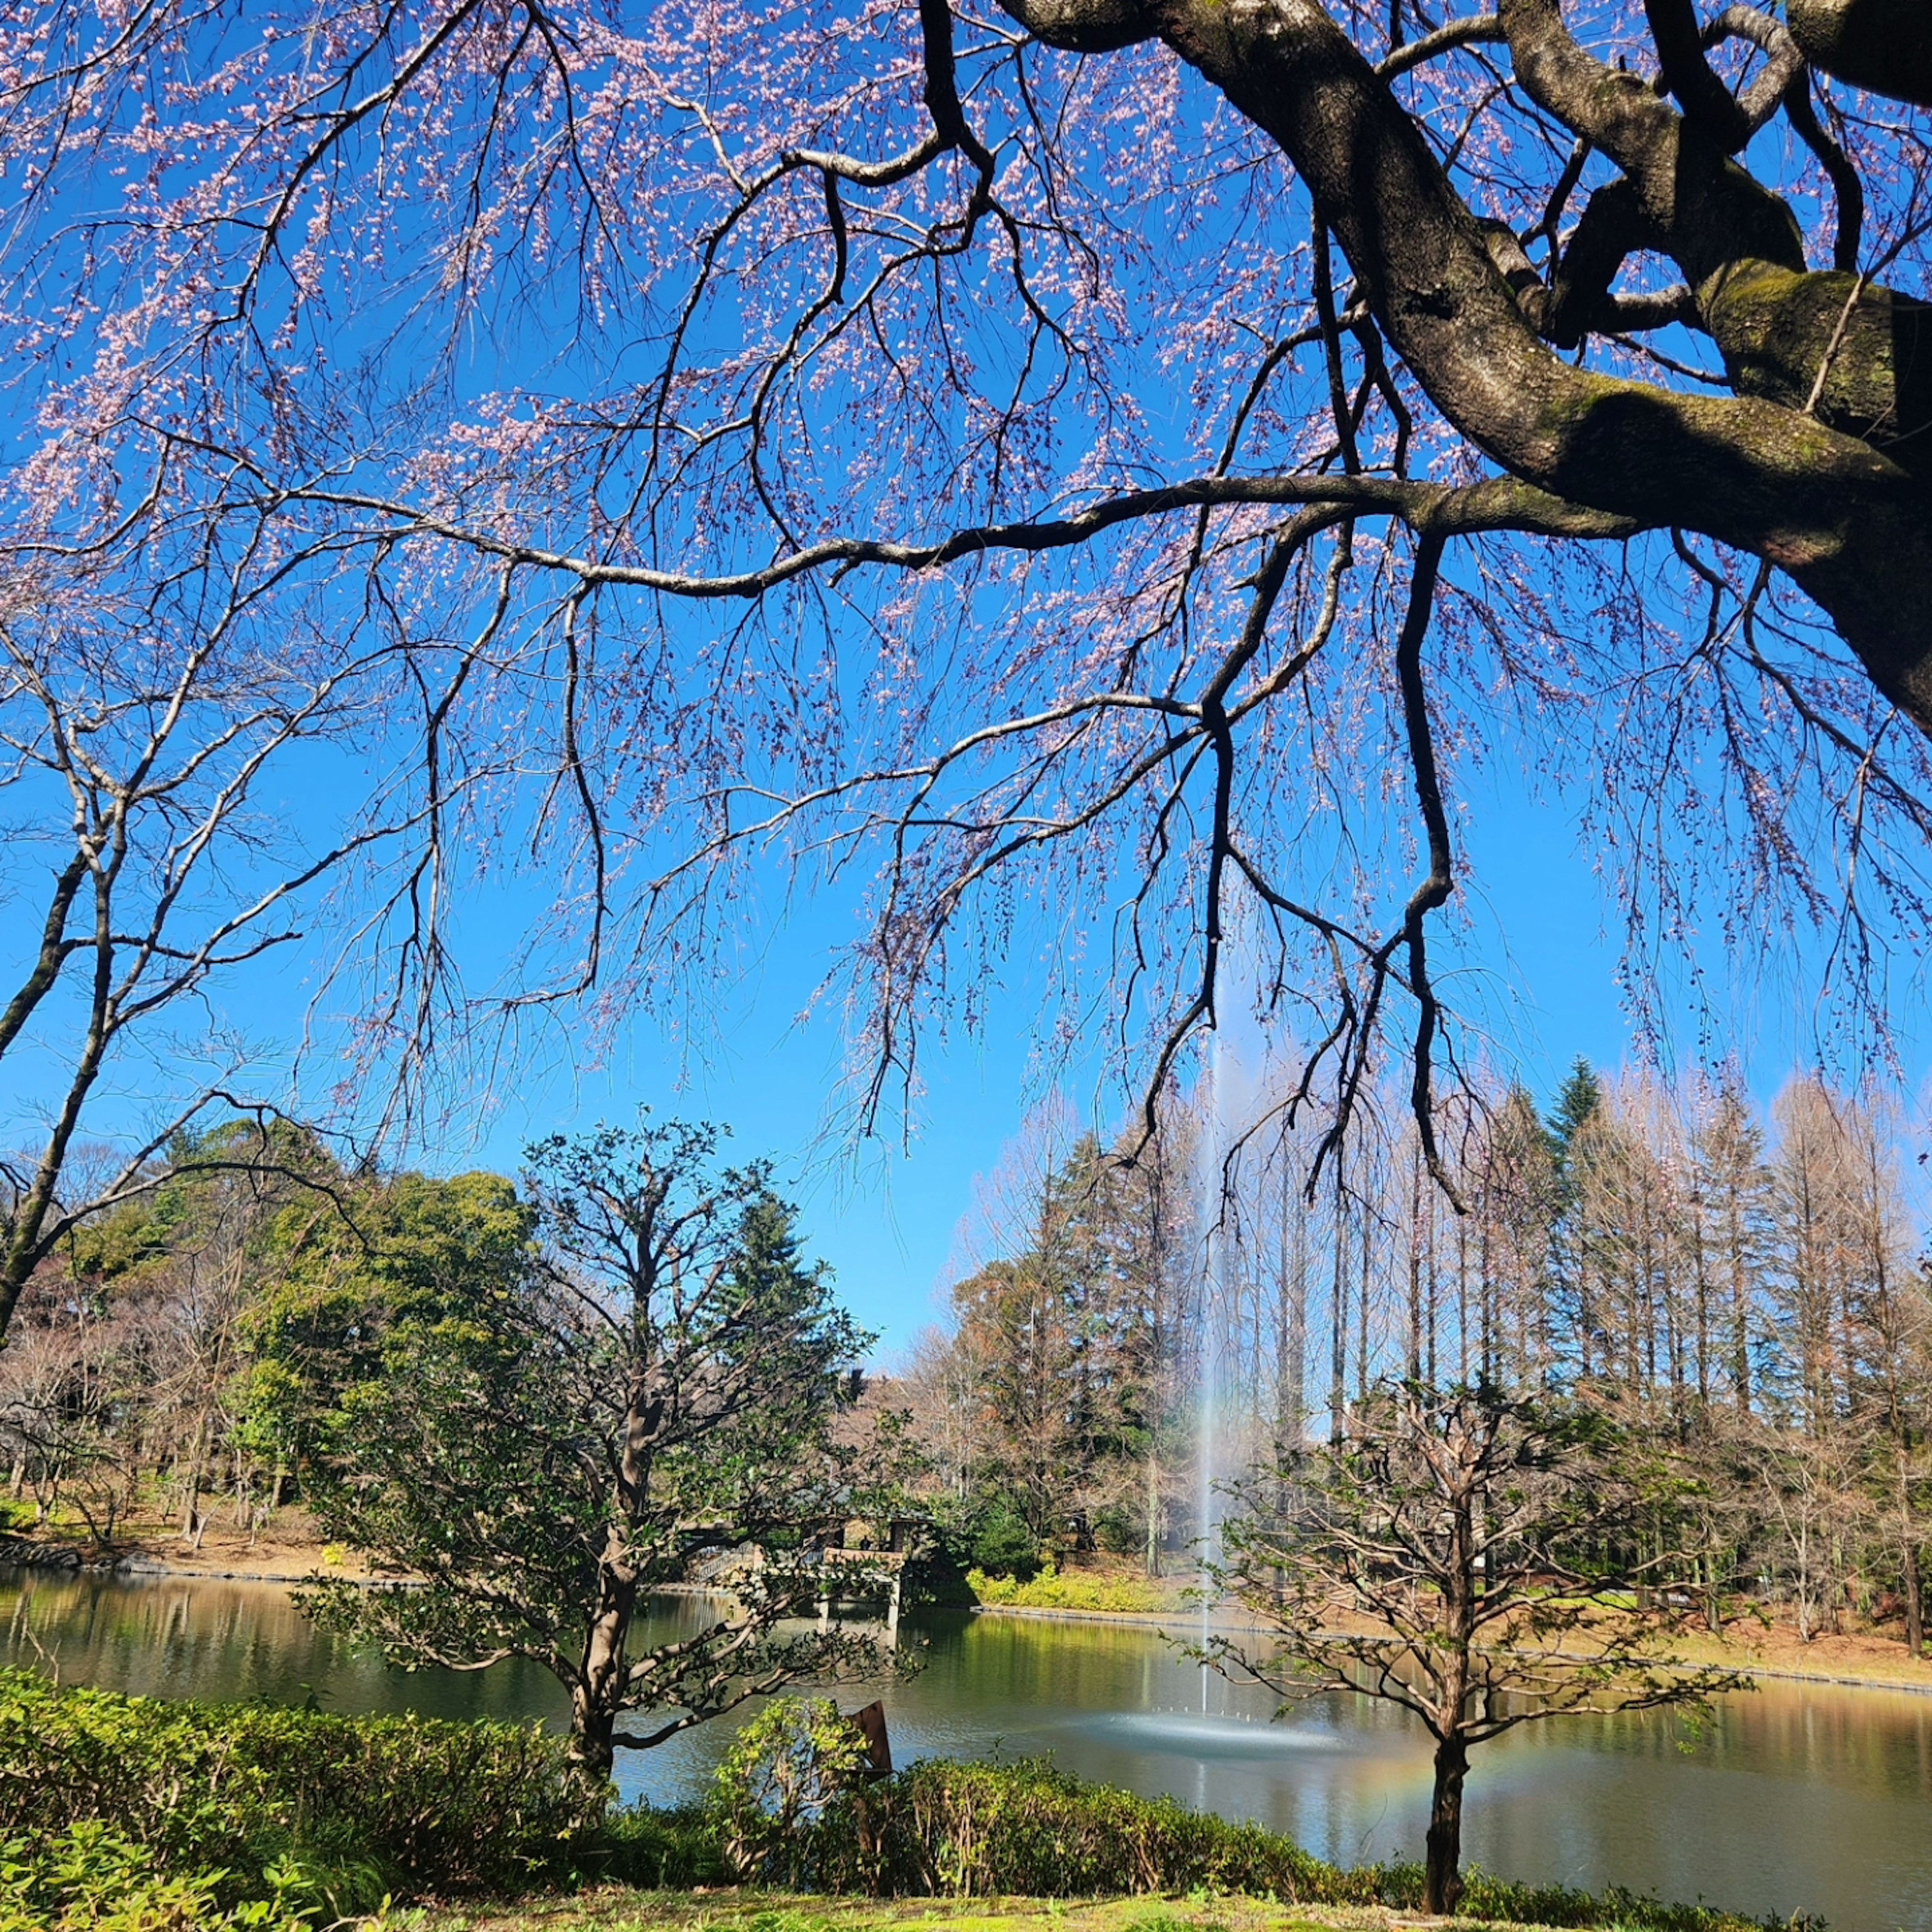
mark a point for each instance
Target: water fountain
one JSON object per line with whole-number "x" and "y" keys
{"x": 1218, "y": 1228}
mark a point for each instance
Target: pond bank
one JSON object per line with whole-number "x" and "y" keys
{"x": 1881, "y": 1671}
{"x": 286, "y": 1557}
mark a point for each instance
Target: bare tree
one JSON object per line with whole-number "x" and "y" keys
{"x": 1468, "y": 1558}
{"x": 144, "y": 751}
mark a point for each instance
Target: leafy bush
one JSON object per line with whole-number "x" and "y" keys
{"x": 1119, "y": 1534}
{"x": 89, "y": 1879}
{"x": 1000, "y": 1544}
{"x": 346, "y": 1809}
{"x": 948, "y": 1830}
{"x": 658, "y": 1850}
{"x": 795, "y": 1761}
{"x": 1052, "y": 1589}
{"x": 968, "y": 1830}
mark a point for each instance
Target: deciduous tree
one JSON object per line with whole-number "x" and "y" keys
{"x": 1116, "y": 460}
{"x": 1471, "y": 1558}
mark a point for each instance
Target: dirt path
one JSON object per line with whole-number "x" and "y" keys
{"x": 287, "y": 1549}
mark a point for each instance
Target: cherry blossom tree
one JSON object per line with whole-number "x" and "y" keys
{"x": 1102, "y": 468}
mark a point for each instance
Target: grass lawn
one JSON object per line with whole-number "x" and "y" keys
{"x": 619, "y": 1908}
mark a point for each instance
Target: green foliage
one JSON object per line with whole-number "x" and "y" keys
{"x": 1508, "y": 1902}
{"x": 659, "y": 1850}
{"x": 1059, "y": 1334}
{"x": 340, "y": 1810}
{"x": 89, "y": 1878}
{"x": 1001, "y": 1544}
{"x": 342, "y": 1275}
{"x": 1053, "y": 1589}
{"x": 205, "y": 1818}
{"x": 947, "y": 1830}
{"x": 1579, "y": 1099}
{"x": 644, "y": 1314}
{"x": 974, "y": 1829}
{"x": 793, "y": 1762}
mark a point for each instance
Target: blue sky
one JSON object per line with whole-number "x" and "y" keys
{"x": 885, "y": 1217}
{"x": 1542, "y": 934}
{"x": 1542, "y": 931}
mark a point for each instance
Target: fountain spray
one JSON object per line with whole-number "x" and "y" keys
{"x": 1211, "y": 1154}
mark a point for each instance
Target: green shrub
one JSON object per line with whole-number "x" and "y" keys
{"x": 1052, "y": 1589}
{"x": 348, "y": 1809}
{"x": 797, "y": 1760}
{"x": 89, "y": 1879}
{"x": 1002, "y": 1545}
{"x": 671, "y": 1849}
{"x": 1119, "y": 1534}
{"x": 968, "y": 1830}
{"x": 949, "y": 1830}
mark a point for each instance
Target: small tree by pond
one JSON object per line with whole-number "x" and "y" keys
{"x": 649, "y": 1398}
{"x": 1481, "y": 1560}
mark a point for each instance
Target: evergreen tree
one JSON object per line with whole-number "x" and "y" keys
{"x": 652, "y": 1390}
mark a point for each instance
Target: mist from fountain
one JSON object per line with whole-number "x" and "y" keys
{"x": 1211, "y": 1154}
{"x": 1241, "y": 1067}
{"x": 1230, "y": 1086}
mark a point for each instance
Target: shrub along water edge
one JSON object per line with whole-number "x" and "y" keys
{"x": 791, "y": 1807}
{"x": 313, "y": 1817}
{"x": 406, "y": 1804}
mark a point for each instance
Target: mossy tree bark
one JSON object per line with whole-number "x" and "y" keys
{"x": 1811, "y": 465}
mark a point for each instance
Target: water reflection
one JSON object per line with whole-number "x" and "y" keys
{"x": 1798, "y": 1797}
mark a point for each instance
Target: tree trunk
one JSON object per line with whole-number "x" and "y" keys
{"x": 598, "y": 1694}
{"x": 1153, "y": 1514}
{"x": 1442, "y": 1878}
{"x": 1915, "y": 1600}
{"x": 197, "y": 1460}
{"x": 601, "y": 1680}
{"x": 1908, "y": 1550}
{"x": 593, "y": 1725}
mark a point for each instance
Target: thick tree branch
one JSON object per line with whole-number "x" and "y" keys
{"x": 1884, "y": 46}
{"x": 1825, "y": 507}
{"x": 1498, "y": 504}
{"x": 1705, "y": 99}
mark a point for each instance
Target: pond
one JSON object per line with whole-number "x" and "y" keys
{"x": 1798, "y": 1798}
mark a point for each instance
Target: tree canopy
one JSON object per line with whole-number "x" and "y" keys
{"x": 1122, "y": 460}
{"x": 645, "y": 1396}
{"x": 1477, "y": 1560}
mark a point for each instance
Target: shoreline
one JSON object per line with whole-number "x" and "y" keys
{"x": 1150, "y": 1619}
{"x": 67, "y": 1561}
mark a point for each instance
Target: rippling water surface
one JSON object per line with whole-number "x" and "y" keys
{"x": 1798, "y": 1798}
